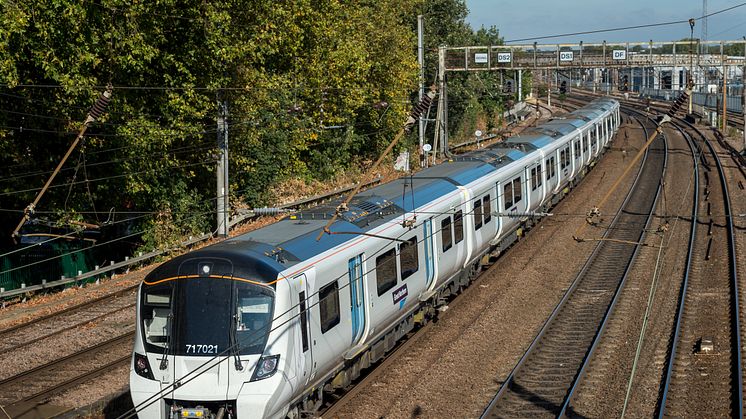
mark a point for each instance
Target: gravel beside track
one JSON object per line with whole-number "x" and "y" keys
{"x": 461, "y": 361}
{"x": 736, "y": 182}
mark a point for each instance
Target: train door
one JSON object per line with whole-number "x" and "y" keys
{"x": 357, "y": 297}
{"x": 429, "y": 243}
{"x": 304, "y": 340}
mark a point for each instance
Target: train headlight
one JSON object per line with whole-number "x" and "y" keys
{"x": 266, "y": 367}
{"x": 142, "y": 367}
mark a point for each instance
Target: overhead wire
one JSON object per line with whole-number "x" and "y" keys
{"x": 181, "y": 166}
{"x": 623, "y": 28}
{"x": 70, "y": 235}
{"x": 191, "y": 148}
{"x": 138, "y": 233}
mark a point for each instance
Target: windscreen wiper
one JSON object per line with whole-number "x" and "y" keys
{"x": 164, "y": 358}
{"x": 234, "y": 344}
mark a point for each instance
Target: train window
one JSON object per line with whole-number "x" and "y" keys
{"x": 386, "y": 271}
{"x": 551, "y": 168}
{"x": 534, "y": 182}
{"x": 253, "y": 318}
{"x": 565, "y": 157}
{"x": 156, "y": 312}
{"x": 303, "y": 320}
{"x": 458, "y": 226}
{"x": 408, "y": 258}
{"x": 329, "y": 306}
{"x": 508, "y": 195}
{"x": 585, "y": 143}
{"x": 517, "y": 192}
{"x": 576, "y": 149}
{"x": 158, "y": 298}
{"x": 487, "y": 209}
{"x": 477, "y": 214}
{"x": 446, "y": 236}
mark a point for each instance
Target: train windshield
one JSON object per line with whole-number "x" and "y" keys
{"x": 207, "y": 317}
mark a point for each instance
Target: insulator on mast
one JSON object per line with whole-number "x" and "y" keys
{"x": 418, "y": 110}
{"x": 99, "y": 107}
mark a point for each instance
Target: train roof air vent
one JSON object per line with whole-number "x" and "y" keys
{"x": 366, "y": 206}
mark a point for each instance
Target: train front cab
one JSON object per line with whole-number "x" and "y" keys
{"x": 204, "y": 343}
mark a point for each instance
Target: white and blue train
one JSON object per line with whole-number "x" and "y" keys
{"x": 263, "y": 324}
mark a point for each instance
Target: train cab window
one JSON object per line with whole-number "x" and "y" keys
{"x": 517, "y": 191}
{"x": 458, "y": 226}
{"x": 156, "y": 312}
{"x": 253, "y": 318}
{"x": 508, "y": 195}
{"x": 487, "y": 209}
{"x": 446, "y": 236}
{"x": 329, "y": 306}
{"x": 386, "y": 271}
{"x": 408, "y": 258}
{"x": 477, "y": 214}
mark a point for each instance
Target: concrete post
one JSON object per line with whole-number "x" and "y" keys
{"x": 675, "y": 72}
{"x": 443, "y": 100}
{"x": 725, "y": 90}
{"x": 520, "y": 85}
{"x": 421, "y": 62}
{"x": 223, "y": 207}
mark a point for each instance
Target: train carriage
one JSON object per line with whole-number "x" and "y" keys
{"x": 260, "y": 325}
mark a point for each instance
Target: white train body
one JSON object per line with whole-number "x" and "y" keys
{"x": 259, "y": 325}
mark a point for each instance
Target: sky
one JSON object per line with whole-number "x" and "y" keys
{"x": 532, "y": 18}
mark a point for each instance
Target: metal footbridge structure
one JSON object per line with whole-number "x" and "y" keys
{"x": 716, "y": 68}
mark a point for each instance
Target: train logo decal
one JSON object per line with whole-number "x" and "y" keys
{"x": 400, "y": 295}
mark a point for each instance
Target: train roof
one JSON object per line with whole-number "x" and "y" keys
{"x": 292, "y": 239}
{"x": 532, "y": 141}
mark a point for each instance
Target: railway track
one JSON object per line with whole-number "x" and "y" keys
{"x": 539, "y": 384}
{"x": 703, "y": 374}
{"x": 21, "y": 393}
{"x": 35, "y": 330}
{"x": 625, "y": 371}
{"x": 709, "y": 377}
{"x": 337, "y": 403}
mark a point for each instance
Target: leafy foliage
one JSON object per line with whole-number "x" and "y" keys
{"x": 313, "y": 88}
